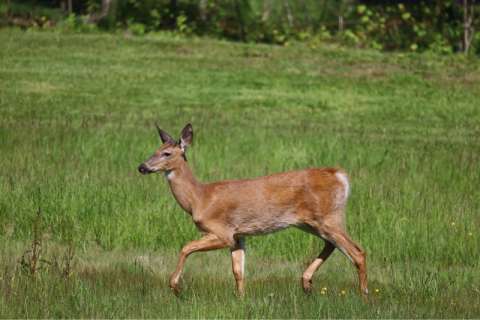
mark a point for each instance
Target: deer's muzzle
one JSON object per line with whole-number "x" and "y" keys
{"x": 143, "y": 169}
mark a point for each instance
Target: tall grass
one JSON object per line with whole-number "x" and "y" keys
{"x": 77, "y": 116}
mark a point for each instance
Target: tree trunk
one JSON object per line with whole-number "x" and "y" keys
{"x": 7, "y": 12}
{"x": 267, "y": 9}
{"x": 341, "y": 11}
{"x": 306, "y": 14}
{"x": 173, "y": 13}
{"x": 289, "y": 13}
{"x": 468, "y": 31}
{"x": 241, "y": 19}
{"x": 202, "y": 7}
{"x": 104, "y": 11}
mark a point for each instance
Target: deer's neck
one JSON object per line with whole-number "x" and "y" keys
{"x": 185, "y": 187}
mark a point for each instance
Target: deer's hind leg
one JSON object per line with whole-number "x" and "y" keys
{"x": 353, "y": 251}
{"x": 308, "y": 273}
{"x": 333, "y": 232}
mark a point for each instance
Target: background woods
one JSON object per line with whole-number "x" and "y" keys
{"x": 442, "y": 26}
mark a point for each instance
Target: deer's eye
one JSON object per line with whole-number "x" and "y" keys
{"x": 166, "y": 154}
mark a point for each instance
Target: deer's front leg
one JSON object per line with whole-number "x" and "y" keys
{"x": 206, "y": 243}
{"x": 238, "y": 265}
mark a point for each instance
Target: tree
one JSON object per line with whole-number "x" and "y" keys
{"x": 104, "y": 11}
{"x": 468, "y": 29}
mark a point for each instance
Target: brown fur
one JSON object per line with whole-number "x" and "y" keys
{"x": 313, "y": 200}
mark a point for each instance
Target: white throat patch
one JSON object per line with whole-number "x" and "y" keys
{"x": 170, "y": 174}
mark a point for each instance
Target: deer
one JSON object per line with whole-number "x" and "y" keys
{"x": 225, "y": 212}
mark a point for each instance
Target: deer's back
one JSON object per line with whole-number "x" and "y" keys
{"x": 273, "y": 202}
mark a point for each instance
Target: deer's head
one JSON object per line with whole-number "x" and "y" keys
{"x": 171, "y": 153}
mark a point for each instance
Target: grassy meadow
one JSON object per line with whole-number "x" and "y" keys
{"x": 77, "y": 117}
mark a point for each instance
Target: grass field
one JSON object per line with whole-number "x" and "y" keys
{"x": 77, "y": 114}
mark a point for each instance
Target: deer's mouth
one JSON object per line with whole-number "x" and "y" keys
{"x": 143, "y": 169}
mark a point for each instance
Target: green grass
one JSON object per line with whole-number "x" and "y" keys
{"x": 77, "y": 114}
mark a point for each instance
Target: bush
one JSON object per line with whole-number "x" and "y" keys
{"x": 387, "y": 25}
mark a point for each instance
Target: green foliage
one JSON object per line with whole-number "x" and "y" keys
{"x": 69, "y": 23}
{"x": 476, "y": 42}
{"x": 136, "y": 28}
{"x": 73, "y": 23}
{"x": 26, "y": 9}
{"x": 27, "y": 16}
{"x": 182, "y": 24}
{"x": 413, "y": 25}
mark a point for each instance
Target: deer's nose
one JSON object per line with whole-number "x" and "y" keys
{"x": 143, "y": 169}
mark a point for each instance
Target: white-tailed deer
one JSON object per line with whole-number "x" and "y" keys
{"x": 225, "y": 212}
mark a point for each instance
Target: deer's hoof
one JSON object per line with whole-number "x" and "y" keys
{"x": 365, "y": 295}
{"x": 240, "y": 294}
{"x": 174, "y": 285}
{"x": 175, "y": 289}
{"x": 307, "y": 285}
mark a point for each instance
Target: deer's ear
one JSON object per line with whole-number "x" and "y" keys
{"x": 186, "y": 137}
{"x": 165, "y": 137}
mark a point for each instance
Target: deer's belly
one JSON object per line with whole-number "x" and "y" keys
{"x": 251, "y": 223}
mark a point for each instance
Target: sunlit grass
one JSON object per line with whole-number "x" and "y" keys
{"x": 77, "y": 114}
